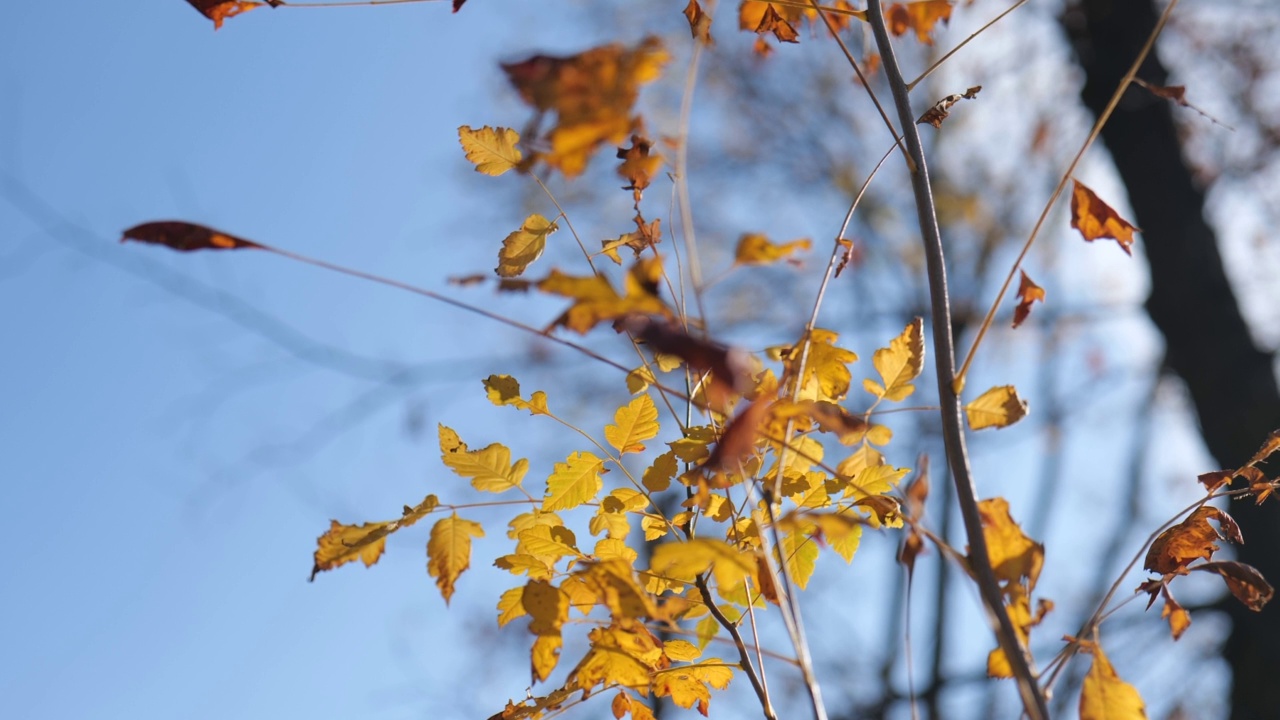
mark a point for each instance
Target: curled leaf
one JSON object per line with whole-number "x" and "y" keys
{"x": 1190, "y": 540}
{"x": 524, "y": 246}
{"x": 942, "y": 109}
{"x": 998, "y": 407}
{"x": 185, "y": 236}
{"x": 1028, "y": 292}
{"x": 220, "y": 10}
{"x": 1244, "y": 581}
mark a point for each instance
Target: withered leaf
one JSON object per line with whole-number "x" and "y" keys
{"x": 729, "y": 367}
{"x": 638, "y": 165}
{"x": 1244, "y": 581}
{"x": 772, "y": 22}
{"x": 1097, "y": 220}
{"x": 699, "y": 22}
{"x": 738, "y": 440}
{"x": 942, "y": 109}
{"x": 1214, "y": 480}
{"x": 1269, "y": 446}
{"x": 185, "y": 236}
{"x": 1190, "y": 540}
{"x": 998, "y": 407}
{"x": 220, "y": 10}
{"x": 1028, "y": 292}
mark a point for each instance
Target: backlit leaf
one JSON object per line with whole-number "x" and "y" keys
{"x": 1104, "y": 696}
{"x": 1028, "y": 292}
{"x": 1244, "y": 581}
{"x": 493, "y": 150}
{"x": 998, "y": 407}
{"x": 524, "y": 246}
{"x": 449, "y": 551}
{"x": 921, "y": 17}
{"x": 685, "y": 560}
{"x": 595, "y": 300}
{"x": 345, "y": 543}
{"x": 901, "y": 362}
{"x": 574, "y": 482}
{"x": 756, "y": 249}
{"x": 219, "y": 10}
{"x": 634, "y": 423}
{"x": 801, "y": 554}
{"x": 505, "y": 390}
{"x": 1097, "y": 220}
{"x": 1015, "y": 558}
{"x": 511, "y": 606}
{"x": 688, "y": 685}
{"x": 185, "y": 236}
{"x": 1190, "y": 540}
{"x": 489, "y": 469}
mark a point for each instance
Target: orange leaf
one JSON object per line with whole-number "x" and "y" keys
{"x": 1096, "y": 220}
{"x": 219, "y": 10}
{"x": 1214, "y": 480}
{"x": 699, "y": 22}
{"x": 1190, "y": 540}
{"x": 1015, "y": 558}
{"x": 919, "y": 16}
{"x": 185, "y": 236}
{"x": 1244, "y": 581}
{"x": 1028, "y": 292}
{"x": 772, "y": 22}
{"x": 638, "y": 166}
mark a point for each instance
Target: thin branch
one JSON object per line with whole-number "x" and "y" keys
{"x": 912, "y": 85}
{"x": 944, "y": 353}
{"x": 958, "y": 383}
{"x": 687, "y": 232}
{"x": 747, "y": 667}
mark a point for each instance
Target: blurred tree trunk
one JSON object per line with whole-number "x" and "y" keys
{"x": 1231, "y": 382}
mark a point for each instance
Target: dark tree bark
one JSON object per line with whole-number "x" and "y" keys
{"x": 1231, "y": 381}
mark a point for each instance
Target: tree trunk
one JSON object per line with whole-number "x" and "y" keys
{"x": 1231, "y": 382}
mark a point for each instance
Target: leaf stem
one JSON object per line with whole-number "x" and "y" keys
{"x": 944, "y": 357}
{"x": 958, "y": 383}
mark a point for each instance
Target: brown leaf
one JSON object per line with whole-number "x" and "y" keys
{"x": 1097, "y": 220}
{"x": 638, "y": 166}
{"x": 1269, "y": 446}
{"x": 941, "y": 109}
{"x": 1028, "y": 292}
{"x": 772, "y": 22}
{"x": 219, "y": 10}
{"x": 1214, "y": 480}
{"x": 729, "y": 367}
{"x": 1190, "y": 540}
{"x": 1244, "y": 581}
{"x": 738, "y": 440}
{"x": 699, "y": 22}
{"x": 185, "y": 236}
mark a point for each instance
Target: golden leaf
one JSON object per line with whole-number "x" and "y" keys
{"x": 1104, "y": 696}
{"x": 687, "y": 685}
{"x": 574, "y": 482}
{"x": 505, "y": 390}
{"x": 595, "y": 300}
{"x": 493, "y": 150}
{"x": 998, "y": 407}
{"x": 1097, "y": 220}
{"x": 899, "y": 364}
{"x": 756, "y": 249}
{"x": 489, "y": 469}
{"x": 524, "y": 246}
{"x": 801, "y": 555}
{"x": 511, "y": 606}
{"x": 634, "y": 423}
{"x": 1015, "y": 558}
{"x": 921, "y": 17}
{"x": 685, "y": 560}
{"x": 624, "y": 654}
{"x": 681, "y": 650}
{"x": 544, "y": 655}
{"x": 1190, "y": 540}
{"x": 345, "y": 543}
{"x": 449, "y": 551}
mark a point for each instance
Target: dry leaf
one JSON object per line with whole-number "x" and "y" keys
{"x": 921, "y": 17}
{"x": 699, "y": 22}
{"x": 1028, "y": 292}
{"x": 1190, "y": 540}
{"x": 219, "y": 10}
{"x": 185, "y": 236}
{"x": 522, "y": 247}
{"x": 998, "y": 407}
{"x": 942, "y": 109}
{"x": 1244, "y": 581}
{"x": 1096, "y": 220}
{"x": 493, "y": 150}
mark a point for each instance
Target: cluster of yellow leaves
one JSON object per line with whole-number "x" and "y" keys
{"x": 591, "y": 93}
{"x": 1016, "y": 561}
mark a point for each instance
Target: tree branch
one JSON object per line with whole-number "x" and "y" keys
{"x": 944, "y": 353}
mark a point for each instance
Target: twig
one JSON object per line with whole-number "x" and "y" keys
{"x": 747, "y": 667}
{"x": 1062, "y": 184}
{"x": 944, "y": 354}
{"x": 687, "y": 232}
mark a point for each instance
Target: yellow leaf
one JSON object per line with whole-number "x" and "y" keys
{"x": 574, "y": 482}
{"x": 657, "y": 477}
{"x": 633, "y": 423}
{"x": 547, "y": 606}
{"x": 611, "y": 548}
{"x": 654, "y": 527}
{"x": 842, "y": 532}
{"x": 681, "y": 650}
{"x": 1015, "y": 558}
{"x": 490, "y": 469}
{"x": 622, "y": 654}
{"x": 595, "y": 300}
{"x": 505, "y": 390}
{"x": 998, "y": 407}
{"x": 510, "y": 606}
{"x": 900, "y": 363}
{"x": 685, "y": 560}
{"x": 537, "y": 568}
{"x": 523, "y": 246}
{"x": 801, "y": 554}
{"x": 756, "y": 249}
{"x": 687, "y": 684}
{"x": 449, "y": 441}
{"x": 493, "y": 150}
{"x": 1096, "y": 220}
{"x": 540, "y": 544}
{"x": 640, "y": 379}
{"x": 707, "y": 629}
{"x": 545, "y": 654}
{"x": 613, "y": 523}
{"x": 449, "y": 551}
{"x": 624, "y": 703}
{"x": 826, "y": 374}
{"x": 1104, "y": 696}
{"x": 345, "y": 543}
{"x": 614, "y": 585}
{"x": 537, "y": 518}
